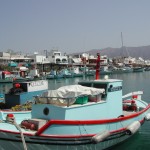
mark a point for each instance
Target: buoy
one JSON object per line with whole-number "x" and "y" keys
{"x": 134, "y": 96}
{"x": 28, "y": 125}
{"x": 106, "y": 77}
{"x": 100, "y": 136}
{"x": 17, "y": 85}
{"x": 10, "y": 118}
{"x": 147, "y": 116}
{"x": 133, "y": 127}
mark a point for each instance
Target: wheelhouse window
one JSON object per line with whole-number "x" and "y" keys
{"x": 86, "y": 84}
{"x": 100, "y": 86}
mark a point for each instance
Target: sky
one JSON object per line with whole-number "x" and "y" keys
{"x": 71, "y": 26}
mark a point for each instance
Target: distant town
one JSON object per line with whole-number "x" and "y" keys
{"x": 55, "y": 60}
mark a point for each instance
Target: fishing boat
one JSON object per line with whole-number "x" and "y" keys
{"x": 73, "y": 71}
{"x": 105, "y": 71}
{"x": 76, "y": 71}
{"x": 90, "y": 115}
{"x": 5, "y": 77}
{"x": 55, "y": 75}
{"x": 51, "y": 75}
{"x": 138, "y": 69}
{"x": 19, "y": 99}
{"x": 122, "y": 69}
{"x": 23, "y": 76}
{"x": 23, "y": 92}
{"x": 90, "y": 72}
{"x": 66, "y": 73}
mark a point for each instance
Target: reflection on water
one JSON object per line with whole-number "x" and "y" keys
{"x": 135, "y": 82}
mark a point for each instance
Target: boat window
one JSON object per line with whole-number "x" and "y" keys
{"x": 101, "y": 86}
{"x": 46, "y": 111}
{"x": 86, "y": 84}
{"x": 24, "y": 86}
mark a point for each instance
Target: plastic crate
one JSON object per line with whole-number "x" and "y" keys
{"x": 94, "y": 98}
{"x": 81, "y": 100}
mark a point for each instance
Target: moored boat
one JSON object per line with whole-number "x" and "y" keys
{"x": 138, "y": 69}
{"x": 76, "y": 71}
{"x": 116, "y": 70}
{"x": 5, "y": 77}
{"x": 23, "y": 92}
{"x": 50, "y": 76}
{"x": 93, "y": 115}
{"x": 147, "y": 68}
{"x": 66, "y": 73}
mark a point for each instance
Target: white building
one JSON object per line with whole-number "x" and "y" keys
{"x": 147, "y": 62}
{"x": 39, "y": 59}
{"x": 129, "y": 61}
{"x": 56, "y": 57}
{"x": 104, "y": 60}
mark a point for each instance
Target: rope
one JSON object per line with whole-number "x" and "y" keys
{"x": 22, "y": 136}
{"x": 12, "y": 120}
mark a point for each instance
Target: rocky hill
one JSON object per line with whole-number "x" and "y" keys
{"x": 143, "y": 51}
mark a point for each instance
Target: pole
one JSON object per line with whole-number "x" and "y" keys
{"x": 122, "y": 39}
{"x": 97, "y": 67}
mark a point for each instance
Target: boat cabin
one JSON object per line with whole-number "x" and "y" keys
{"x": 23, "y": 92}
{"x": 108, "y": 106}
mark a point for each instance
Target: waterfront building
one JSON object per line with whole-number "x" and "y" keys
{"x": 14, "y": 59}
{"x": 56, "y": 57}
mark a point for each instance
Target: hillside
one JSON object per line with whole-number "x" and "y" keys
{"x": 143, "y": 51}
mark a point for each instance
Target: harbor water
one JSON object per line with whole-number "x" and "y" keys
{"x": 131, "y": 82}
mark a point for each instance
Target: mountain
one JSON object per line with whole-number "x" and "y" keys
{"x": 142, "y": 51}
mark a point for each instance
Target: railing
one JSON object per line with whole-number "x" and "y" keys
{"x": 60, "y": 101}
{"x": 55, "y": 100}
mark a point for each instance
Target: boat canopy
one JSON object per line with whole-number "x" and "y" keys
{"x": 71, "y": 91}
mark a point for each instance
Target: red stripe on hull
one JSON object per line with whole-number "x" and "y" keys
{"x": 67, "y": 136}
{"x": 87, "y": 135}
{"x": 89, "y": 122}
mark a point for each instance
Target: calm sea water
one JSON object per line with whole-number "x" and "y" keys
{"x": 131, "y": 82}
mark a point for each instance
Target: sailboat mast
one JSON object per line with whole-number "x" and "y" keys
{"x": 122, "y": 39}
{"x": 127, "y": 52}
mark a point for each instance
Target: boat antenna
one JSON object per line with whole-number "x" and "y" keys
{"x": 98, "y": 67}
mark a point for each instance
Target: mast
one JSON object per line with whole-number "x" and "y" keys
{"x": 122, "y": 39}
{"x": 127, "y": 52}
{"x": 98, "y": 67}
